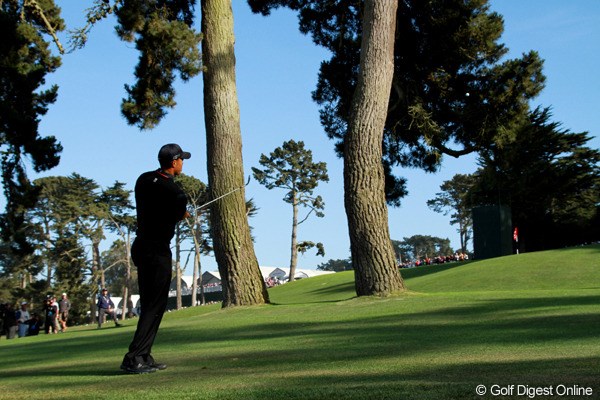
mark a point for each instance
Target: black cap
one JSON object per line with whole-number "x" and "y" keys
{"x": 172, "y": 151}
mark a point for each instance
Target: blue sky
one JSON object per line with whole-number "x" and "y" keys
{"x": 276, "y": 72}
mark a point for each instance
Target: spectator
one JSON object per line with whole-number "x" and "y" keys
{"x": 64, "y": 305}
{"x": 35, "y": 325}
{"x": 56, "y": 323}
{"x": 50, "y": 310}
{"x": 22, "y": 318}
{"x": 106, "y": 306}
{"x": 2, "y": 316}
{"x": 10, "y": 322}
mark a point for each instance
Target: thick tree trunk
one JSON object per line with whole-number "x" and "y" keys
{"x": 234, "y": 251}
{"x": 375, "y": 269}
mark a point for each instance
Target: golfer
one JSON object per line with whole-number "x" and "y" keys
{"x": 160, "y": 204}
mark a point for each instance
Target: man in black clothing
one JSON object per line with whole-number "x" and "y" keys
{"x": 106, "y": 306}
{"x": 160, "y": 205}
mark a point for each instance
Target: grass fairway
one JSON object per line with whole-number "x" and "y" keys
{"x": 532, "y": 319}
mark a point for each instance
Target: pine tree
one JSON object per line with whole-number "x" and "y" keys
{"x": 454, "y": 199}
{"x": 25, "y": 60}
{"x": 291, "y": 167}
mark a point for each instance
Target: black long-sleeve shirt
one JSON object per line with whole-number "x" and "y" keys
{"x": 160, "y": 204}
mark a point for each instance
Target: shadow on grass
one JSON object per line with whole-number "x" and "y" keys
{"x": 456, "y": 381}
{"x": 484, "y": 322}
{"x": 438, "y": 352}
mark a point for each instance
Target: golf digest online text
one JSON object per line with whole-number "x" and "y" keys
{"x": 534, "y": 391}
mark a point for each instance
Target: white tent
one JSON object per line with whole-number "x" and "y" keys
{"x": 135, "y": 300}
{"x": 309, "y": 273}
{"x": 272, "y": 272}
{"x": 186, "y": 284}
{"x": 117, "y": 301}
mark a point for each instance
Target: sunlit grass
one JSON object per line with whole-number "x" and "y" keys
{"x": 458, "y": 326}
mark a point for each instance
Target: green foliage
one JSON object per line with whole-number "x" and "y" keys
{"x": 451, "y": 93}
{"x": 117, "y": 202}
{"x": 164, "y": 35}
{"x": 454, "y": 199}
{"x": 549, "y": 178}
{"x": 291, "y": 167}
{"x": 25, "y": 59}
{"x": 306, "y": 245}
{"x": 335, "y": 265}
{"x": 70, "y": 275}
{"x": 70, "y": 213}
{"x": 421, "y": 246}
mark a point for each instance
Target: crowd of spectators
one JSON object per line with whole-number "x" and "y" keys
{"x": 419, "y": 262}
{"x": 20, "y": 322}
{"x": 272, "y": 281}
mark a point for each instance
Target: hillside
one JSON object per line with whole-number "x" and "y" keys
{"x": 571, "y": 268}
{"x": 532, "y": 320}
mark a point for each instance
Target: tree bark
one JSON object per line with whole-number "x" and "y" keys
{"x": 294, "y": 249}
{"x": 234, "y": 251}
{"x": 196, "y": 275}
{"x": 373, "y": 260}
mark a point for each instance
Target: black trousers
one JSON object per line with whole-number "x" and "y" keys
{"x": 102, "y": 312}
{"x": 153, "y": 262}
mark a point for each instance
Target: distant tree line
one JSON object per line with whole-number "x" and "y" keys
{"x": 407, "y": 250}
{"x": 67, "y": 227}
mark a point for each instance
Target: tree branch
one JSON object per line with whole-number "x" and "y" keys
{"x": 51, "y": 31}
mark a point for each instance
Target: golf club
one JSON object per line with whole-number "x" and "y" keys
{"x": 226, "y": 194}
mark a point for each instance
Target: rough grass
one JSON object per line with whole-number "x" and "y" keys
{"x": 531, "y": 319}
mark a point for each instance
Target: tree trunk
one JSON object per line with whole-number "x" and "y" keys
{"x": 375, "y": 269}
{"x": 294, "y": 250}
{"x": 48, "y": 247}
{"x": 463, "y": 244}
{"x": 127, "y": 304}
{"x": 97, "y": 268}
{"x": 178, "y": 267}
{"x": 202, "y": 296}
{"x": 234, "y": 251}
{"x": 196, "y": 268}
{"x": 102, "y": 278}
